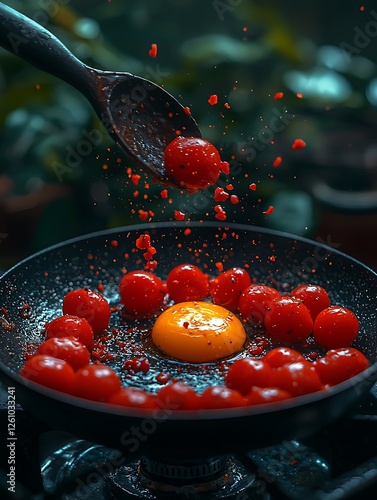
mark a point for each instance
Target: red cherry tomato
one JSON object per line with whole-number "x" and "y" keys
{"x": 314, "y": 297}
{"x": 67, "y": 348}
{"x": 255, "y": 301}
{"x": 226, "y": 288}
{"x": 96, "y": 382}
{"x": 261, "y": 395}
{"x": 70, "y": 326}
{"x": 50, "y": 372}
{"x": 340, "y": 364}
{"x": 178, "y": 396}
{"x": 193, "y": 163}
{"x": 187, "y": 282}
{"x": 142, "y": 293}
{"x": 90, "y": 305}
{"x": 134, "y": 398}
{"x": 221, "y": 397}
{"x": 288, "y": 321}
{"x": 245, "y": 373}
{"x": 280, "y": 356}
{"x": 336, "y": 326}
{"x": 298, "y": 378}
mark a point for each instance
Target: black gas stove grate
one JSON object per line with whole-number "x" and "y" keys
{"x": 338, "y": 463}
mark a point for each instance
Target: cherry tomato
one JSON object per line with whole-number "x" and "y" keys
{"x": 193, "y": 163}
{"x": 186, "y": 282}
{"x": 178, "y": 396}
{"x": 298, "y": 378}
{"x": 70, "y": 326}
{"x": 68, "y": 348}
{"x": 340, "y": 364}
{"x": 245, "y": 373}
{"x": 336, "y": 326}
{"x": 280, "y": 356}
{"x": 134, "y": 398}
{"x": 96, "y": 382}
{"x": 314, "y": 297}
{"x": 255, "y": 301}
{"x": 50, "y": 372}
{"x": 90, "y": 305}
{"x": 288, "y": 321}
{"x": 221, "y": 397}
{"x": 226, "y": 288}
{"x": 142, "y": 293}
{"x": 261, "y": 395}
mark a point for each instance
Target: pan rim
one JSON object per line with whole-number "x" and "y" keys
{"x": 370, "y": 374}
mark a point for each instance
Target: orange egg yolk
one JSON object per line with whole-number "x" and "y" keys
{"x": 198, "y": 332}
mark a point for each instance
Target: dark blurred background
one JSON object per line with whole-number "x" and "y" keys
{"x": 321, "y": 55}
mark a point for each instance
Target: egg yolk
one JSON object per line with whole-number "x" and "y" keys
{"x": 198, "y": 332}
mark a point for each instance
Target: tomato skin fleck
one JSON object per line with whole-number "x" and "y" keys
{"x": 193, "y": 163}
{"x": 90, "y": 305}
{"x": 340, "y": 364}
{"x": 187, "y": 282}
{"x": 336, "y": 326}
{"x": 50, "y": 372}
{"x": 96, "y": 382}
{"x": 70, "y": 326}
{"x": 245, "y": 373}
{"x": 288, "y": 320}
{"x": 227, "y": 287}
{"x": 141, "y": 293}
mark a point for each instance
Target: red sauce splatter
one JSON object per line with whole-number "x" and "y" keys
{"x": 114, "y": 243}
{"x": 220, "y": 266}
{"x": 143, "y": 214}
{"x": 298, "y": 144}
{"x": 277, "y": 162}
{"x": 278, "y": 95}
{"x": 179, "y": 215}
{"x": 234, "y": 199}
{"x": 143, "y": 241}
{"x": 163, "y": 378}
{"x": 227, "y": 105}
{"x": 135, "y": 178}
{"x": 220, "y": 195}
{"x": 213, "y": 99}
{"x": 153, "y": 50}
{"x": 187, "y": 110}
{"x": 269, "y": 210}
{"x": 253, "y": 186}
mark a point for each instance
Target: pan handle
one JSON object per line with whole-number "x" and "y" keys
{"x": 28, "y": 40}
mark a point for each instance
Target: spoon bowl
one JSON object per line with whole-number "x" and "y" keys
{"x": 141, "y": 116}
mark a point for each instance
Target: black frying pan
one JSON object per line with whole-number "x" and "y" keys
{"x": 44, "y": 278}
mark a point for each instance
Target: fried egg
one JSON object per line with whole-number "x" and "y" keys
{"x": 198, "y": 332}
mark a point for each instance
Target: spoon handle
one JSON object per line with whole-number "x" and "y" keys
{"x": 33, "y": 43}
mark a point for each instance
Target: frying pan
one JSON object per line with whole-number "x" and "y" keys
{"x": 273, "y": 258}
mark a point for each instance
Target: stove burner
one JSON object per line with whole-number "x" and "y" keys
{"x": 212, "y": 479}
